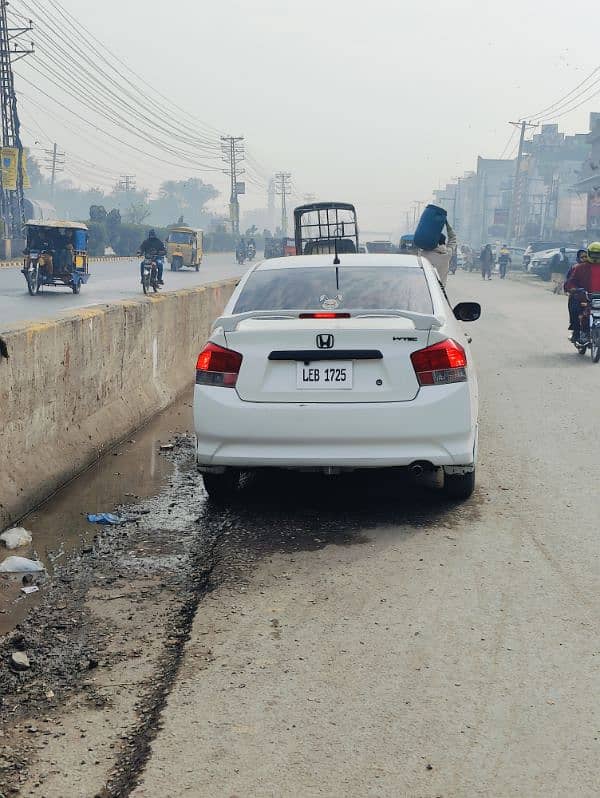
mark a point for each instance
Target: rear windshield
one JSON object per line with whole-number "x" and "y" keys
{"x": 315, "y": 288}
{"x": 180, "y": 238}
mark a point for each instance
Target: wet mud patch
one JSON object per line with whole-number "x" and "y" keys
{"x": 106, "y": 642}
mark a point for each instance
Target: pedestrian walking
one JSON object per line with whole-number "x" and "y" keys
{"x": 486, "y": 260}
{"x": 440, "y": 256}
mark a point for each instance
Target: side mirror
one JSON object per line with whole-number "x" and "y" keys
{"x": 467, "y": 311}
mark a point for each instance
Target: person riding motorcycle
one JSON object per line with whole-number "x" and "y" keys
{"x": 573, "y": 304}
{"x": 504, "y": 260}
{"x": 584, "y": 278}
{"x": 153, "y": 247}
{"x": 241, "y": 253}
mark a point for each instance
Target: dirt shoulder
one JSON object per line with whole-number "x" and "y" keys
{"x": 104, "y": 645}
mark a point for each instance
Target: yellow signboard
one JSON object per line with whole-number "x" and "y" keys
{"x": 10, "y": 156}
{"x": 10, "y": 159}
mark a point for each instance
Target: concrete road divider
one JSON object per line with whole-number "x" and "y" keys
{"x": 18, "y": 262}
{"x": 71, "y": 388}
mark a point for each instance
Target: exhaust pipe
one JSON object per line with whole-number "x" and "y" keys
{"x": 421, "y": 467}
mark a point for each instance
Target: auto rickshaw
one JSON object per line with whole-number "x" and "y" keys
{"x": 325, "y": 228}
{"x": 184, "y": 248}
{"x": 56, "y": 254}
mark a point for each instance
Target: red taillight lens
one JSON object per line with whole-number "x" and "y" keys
{"x": 440, "y": 364}
{"x": 218, "y": 366}
{"x": 324, "y": 315}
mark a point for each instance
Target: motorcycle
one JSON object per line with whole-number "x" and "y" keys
{"x": 589, "y": 325}
{"x": 240, "y": 256}
{"x": 150, "y": 275}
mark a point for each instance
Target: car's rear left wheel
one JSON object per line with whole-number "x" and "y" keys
{"x": 459, "y": 486}
{"x": 221, "y": 487}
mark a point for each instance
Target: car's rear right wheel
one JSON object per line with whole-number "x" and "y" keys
{"x": 459, "y": 486}
{"x": 221, "y": 487}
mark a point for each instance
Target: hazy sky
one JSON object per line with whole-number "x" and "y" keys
{"x": 373, "y": 102}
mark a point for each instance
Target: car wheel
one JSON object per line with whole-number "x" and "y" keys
{"x": 221, "y": 487}
{"x": 459, "y": 486}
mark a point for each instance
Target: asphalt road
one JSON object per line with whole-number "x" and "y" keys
{"x": 350, "y": 636}
{"x": 110, "y": 281}
{"x": 414, "y": 648}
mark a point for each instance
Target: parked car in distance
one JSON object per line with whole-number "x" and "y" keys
{"x": 541, "y": 262}
{"x": 380, "y": 247}
{"x": 538, "y": 246}
{"x": 325, "y": 366}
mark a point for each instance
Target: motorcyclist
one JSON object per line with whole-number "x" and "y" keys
{"x": 585, "y": 277}
{"x": 504, "y": 260}
{"x": 153, "y": 247}
{"x": 241, "y": 252}
{"x": 573, "y": 303}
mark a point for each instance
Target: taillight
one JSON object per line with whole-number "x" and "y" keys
{"x": 324, "y": 315}
{"x": 440, "y": 364}
{"x": 218, "y": 366}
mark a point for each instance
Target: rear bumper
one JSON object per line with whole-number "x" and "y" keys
{"x": 438, "y": 427}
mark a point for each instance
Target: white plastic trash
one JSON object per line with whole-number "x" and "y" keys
{"x": 20, "y": 565}
{"x": 16, "y": 537}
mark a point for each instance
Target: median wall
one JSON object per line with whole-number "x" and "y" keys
{"x": 73, "y": 387}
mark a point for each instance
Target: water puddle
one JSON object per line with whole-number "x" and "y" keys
{"x": 134, "y": 470}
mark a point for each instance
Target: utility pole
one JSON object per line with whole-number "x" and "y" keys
{"x": 233, "y": 154}
{"x": 514, "y": 216}
{"x": 12, "y": 205}
{"x": 126, "y": 184}
{"x": 55, "y": 161}
{"x": 283, "y": 188}
{"x": 271, "y": 203}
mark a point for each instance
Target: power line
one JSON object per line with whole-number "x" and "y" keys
{"x": 553, "y": 106}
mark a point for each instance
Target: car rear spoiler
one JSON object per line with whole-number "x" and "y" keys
{"x": 421, "y": 321}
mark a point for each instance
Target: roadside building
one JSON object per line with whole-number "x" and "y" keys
{"x": 552, "y": 163}
{"x": 587, "y": 187}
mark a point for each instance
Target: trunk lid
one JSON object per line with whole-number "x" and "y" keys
{"x": 282, "y": 359}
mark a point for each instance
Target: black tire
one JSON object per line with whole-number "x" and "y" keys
{"x": 146, "y": 284}
{"x": 595, "y": 345}
{"x": 459, "y": 486}
{"x": 33, "y": 284}
{"x": 76, "y": 287}
{"x": 197, "y": 267}
{"x": 221, "y": 487}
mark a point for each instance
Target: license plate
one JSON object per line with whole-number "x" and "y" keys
{"x": 332, "y": 375}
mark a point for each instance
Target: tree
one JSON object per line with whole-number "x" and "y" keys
{"x": 97, "y": 213}
{"x": 137, "y": 213}
{"x": 179, "y": 198}
{"x": 113, "y": 219}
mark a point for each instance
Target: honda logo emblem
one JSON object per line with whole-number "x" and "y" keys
{"x": 325, "y": 341}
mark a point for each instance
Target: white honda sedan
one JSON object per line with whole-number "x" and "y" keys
{"x": 331, "y": 366}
